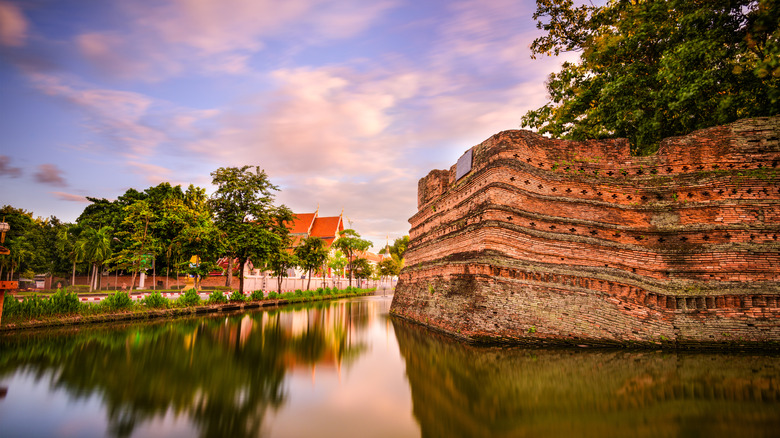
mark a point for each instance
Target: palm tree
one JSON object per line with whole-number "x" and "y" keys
{"x": 95, "y": 245}
{"x": 66, "y": 243}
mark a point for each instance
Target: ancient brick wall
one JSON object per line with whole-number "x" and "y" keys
{"x": 558, "y": 241}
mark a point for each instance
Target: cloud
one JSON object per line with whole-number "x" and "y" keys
{"x": 168, "y": 38}
{"x": 13, "y": 25}
{"x": 70, "y": 197}
{"x": 50, "y": 174}
{"x": 7, "y": 170}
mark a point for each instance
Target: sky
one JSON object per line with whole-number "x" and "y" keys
{"x": 345, "y": 104}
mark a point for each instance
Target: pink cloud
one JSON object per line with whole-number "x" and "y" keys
{"x": 13, "y": 25}
{"x": 7, "y": 170}
{"x": 50, "y": 174}
{"x": 70, "y": 197}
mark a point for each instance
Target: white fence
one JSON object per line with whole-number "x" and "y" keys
{"x": 270, "y": 284}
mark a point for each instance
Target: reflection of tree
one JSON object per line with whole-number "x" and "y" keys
{"x": 224, "y": 373}
{"x": 463, "y": 390}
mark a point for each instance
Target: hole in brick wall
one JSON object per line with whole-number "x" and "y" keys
{"x": 512, "y": 179}
{"x": 637, "y": 237}
{"x": 582, "y": 169}
{"x": 554, "y": 189}
{"x": 745, "y": 166}
{"x": 774, "y": 236}
{"x": 572, "y": 230}
{"x": 706, "y": 193}
{"x": 593, "y": 232}
{"x": 533, "y": 224}
{"x": 629, "y": 197}
{"x": 584, "y": 192}
{"x": 528, "y": 160}
{"x": 633, "y": 270}
{"x": 716, "y": 166}
{"x": 644, "y": 198}
{"x": 661, "y": 239}
{"x": 527, "y": 182}
{"x": 509, "y": 218}
{"x": 685, "y": 168}
{"x": 654, "y": 171}
{"x": 658, "y": 196}
{"x": 733, "y": 191}
{"x": 614, "y": 196}
{"x": 640, "y": 172}
{"x": 750, "y": 191}
{"x": 568, "y": 190}
{"x": 764, "y": 190}
{"x": 541, "y": 165}
{"x": 760, "y": 166}
{"x": 616, "y": 235}
{"x": 606, "y": 265}
{"x": 727, "y": 236}
{"x": 752, "y": 237}
{"x": 599, "y": 193}
{"x": 669, "y": 169}
{"x": 516, "y": 156}
{"x": 566, "y": 169}
{"x": 720, "y": 192}
{"x": 700, "y": 167}
{"x": 731, "y": 165}
{"x": 684, "y": 239}
{"x": 705, "y": 237}
{"x": 552, "y": 227}
{"x": 540, "y": 186}
{"x": 690, "y": 195}
{"x": 610, "y": 173}
{"x": 774, "y": 163}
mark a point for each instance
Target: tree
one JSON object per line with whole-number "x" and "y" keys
{"x": 95, "y": 245}
{"x": 311, "y": 255}
{"x": 337, "y": 262}
{"x": 362, "y": 268}
{"x": 280, "y": 262}
{"x": 136, "y": 236}
{"x": 66, "y": 244}
{"x": 243, "y": 208}
{"x": 654, "y": 69}
{"x": 349, "y": 242}
{"x": 389, "y": 267}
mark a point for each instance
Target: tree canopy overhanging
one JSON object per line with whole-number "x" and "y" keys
{"x": 655, "y": 69}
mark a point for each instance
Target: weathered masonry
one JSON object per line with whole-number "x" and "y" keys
{"x": 533, "y": 240}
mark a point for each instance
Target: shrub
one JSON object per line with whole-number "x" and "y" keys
{"x": 217, "y": 297}
{"x": 189, "y": 299}
{"x": 257, "y": 295}
{"x": 237, "y": 296}
{"x": 320, "y": 291}
{"x": 273, "y": 296}
{"x": 155, "y": 300}
{"x": 63, "y": 302}
{"x": 116, "y": 301}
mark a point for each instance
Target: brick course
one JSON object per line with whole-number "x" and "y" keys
{"x": 550, "y": 241}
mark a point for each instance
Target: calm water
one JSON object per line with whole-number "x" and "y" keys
{"x": 344, "y": 369}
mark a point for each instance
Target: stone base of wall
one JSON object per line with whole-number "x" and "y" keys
{"x": 484, "y": 297}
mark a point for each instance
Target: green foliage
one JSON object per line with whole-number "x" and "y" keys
{"x": 116, "y": 301}
{"x": 217, "y": 297}
{"x": 243, "y": 207}
{"x": 189, "y": 299}
{"x": 350, "y": 243}
{"x": 257, "y": 295}
{"x": 650, "y": 70}
{"x": 311, "y": 254}
{"x": 155, "y": 300}
{"x": 63, "y": 302}
{"x": 273, "y": 296}
{"x": 237, "y": 296}
{"x": 362, "y": 268}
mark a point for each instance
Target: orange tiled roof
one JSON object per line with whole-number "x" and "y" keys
{"x": 327, "y": 227}
{"x": 303, "y": 222}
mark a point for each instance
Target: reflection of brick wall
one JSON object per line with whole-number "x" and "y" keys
{"x": 581, "y": 240}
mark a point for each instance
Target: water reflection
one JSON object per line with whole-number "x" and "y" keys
{"x": 223, "y": 374}
{"x": 464, "y": 391}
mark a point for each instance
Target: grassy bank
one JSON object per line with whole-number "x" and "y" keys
{"x": 64, "y": 307}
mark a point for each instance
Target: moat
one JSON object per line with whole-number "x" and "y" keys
{"x": 347, "y": 369}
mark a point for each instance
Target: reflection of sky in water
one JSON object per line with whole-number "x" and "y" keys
{"x": 345, "y": 369}
{"x": 33, "y": 409}
{"x": 368, "y": 398}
